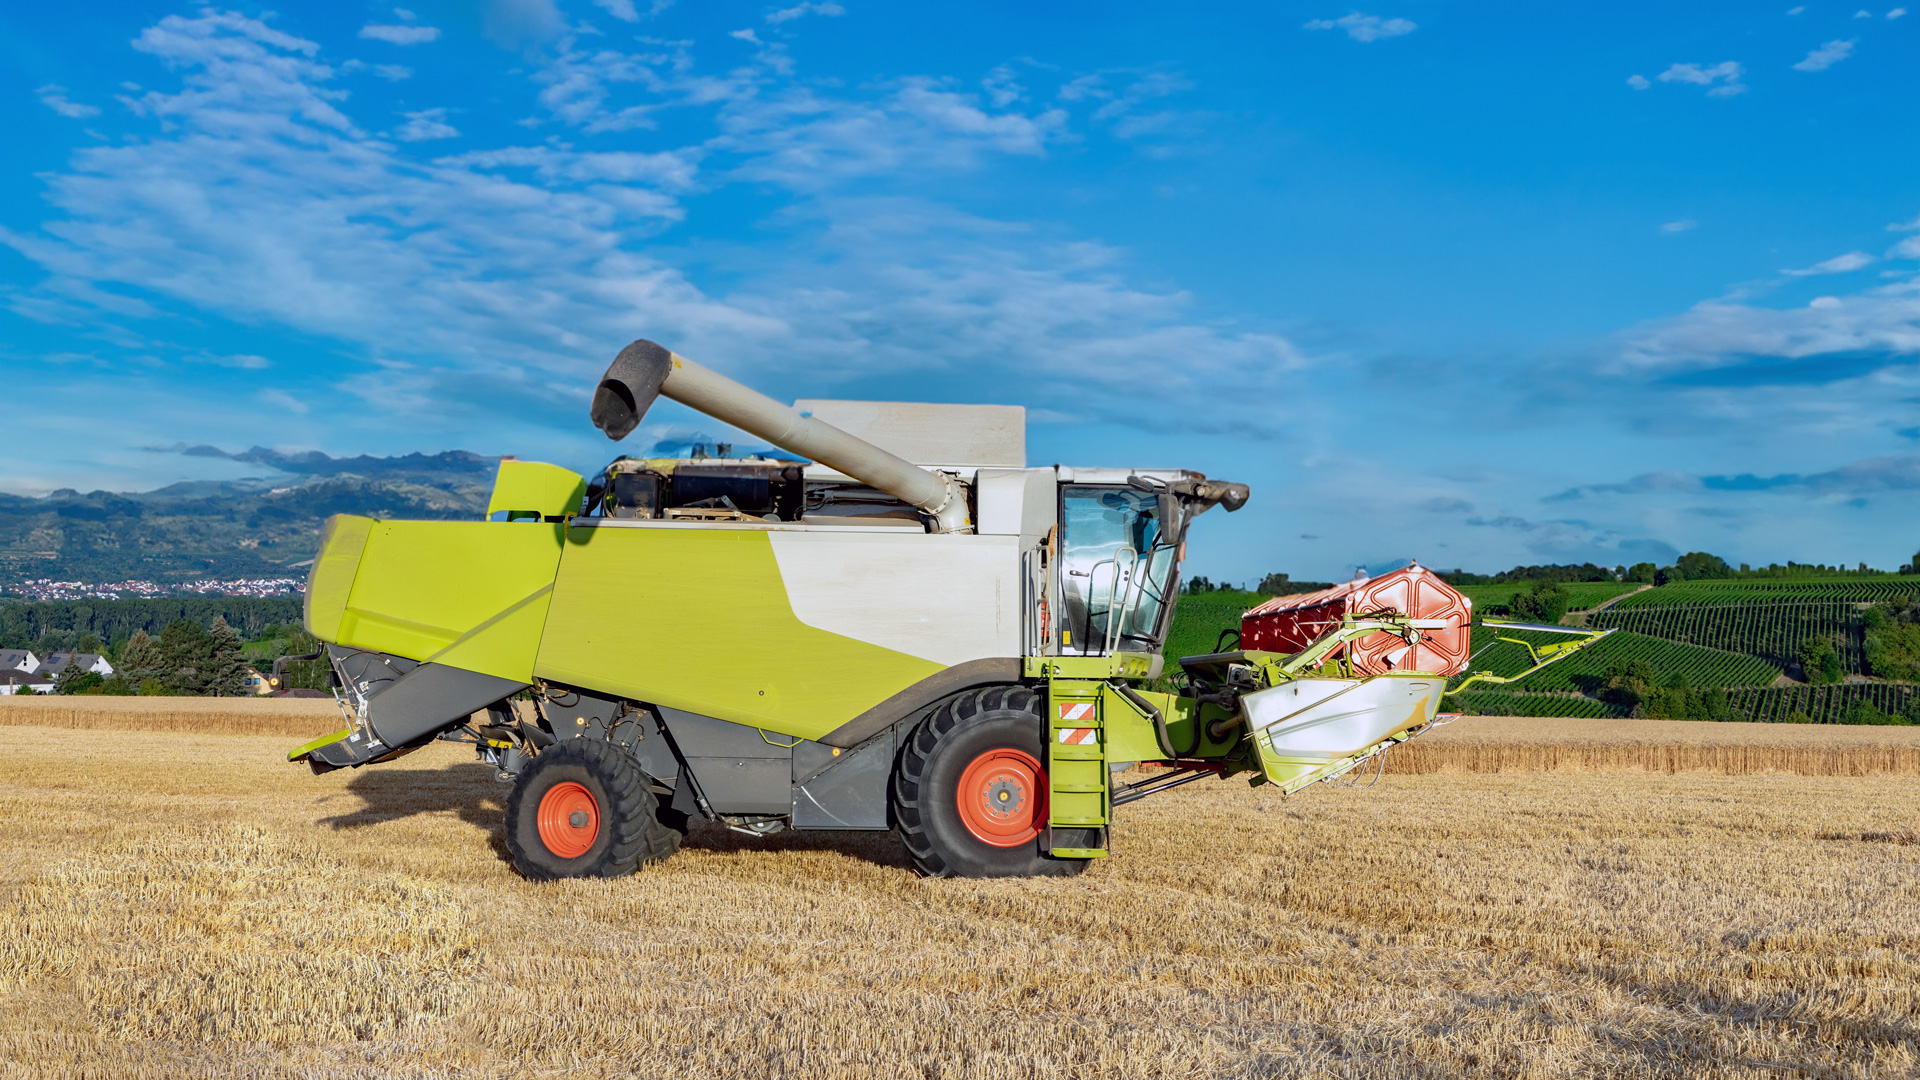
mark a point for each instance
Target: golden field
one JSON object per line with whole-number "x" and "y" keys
{"x": 1532, "y": 899}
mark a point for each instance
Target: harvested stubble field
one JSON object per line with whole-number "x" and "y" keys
{"x": 180, "y": 902}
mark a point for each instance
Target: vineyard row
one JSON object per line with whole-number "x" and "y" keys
{"x": 1774, "y": 630}
{"x": 1747, "y": 592}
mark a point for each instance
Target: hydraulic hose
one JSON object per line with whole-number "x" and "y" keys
{"x": 1159, "y": 722}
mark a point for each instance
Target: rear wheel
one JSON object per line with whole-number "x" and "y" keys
{"x": 583, "y": 808}
{"x": 970, "y": 796}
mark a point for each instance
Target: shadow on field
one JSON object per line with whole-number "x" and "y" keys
{"x": 475, "y": 797}
{"x": 469, "y": 790}
{"x": 879, "y": 848}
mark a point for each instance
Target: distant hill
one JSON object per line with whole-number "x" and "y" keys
{"x": 233, "y": 528}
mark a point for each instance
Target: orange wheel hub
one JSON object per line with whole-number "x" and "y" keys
{"x": 569, "y": 820}
{"x": 1003, "y": 798}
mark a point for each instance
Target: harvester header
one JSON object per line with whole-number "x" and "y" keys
{"x": 908, "y": 629}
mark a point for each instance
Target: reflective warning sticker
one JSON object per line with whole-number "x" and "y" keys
{"x": 1076, "y": 710}
{"x": 1080, "y": 736}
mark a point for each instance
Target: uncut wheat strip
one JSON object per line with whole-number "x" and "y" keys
{"x": 292, "y": 717}
{"x": 1860, "y": 761}
{"x": 1519, "y": 744}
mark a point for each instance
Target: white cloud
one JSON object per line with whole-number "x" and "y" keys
{"x": 280, "y": 399}
{"x": 1364, "y": 27}
{"x": 1839, "y": 264}
{"x": 240, "y": 361}
{"x": 1826, "y": 56}
{"x": 1863, "y": 13}
{"x": 399, "y": 35}
{"x": 1896, "y": 13}
{"x": 1683, "y": 225}
{"x": 1719, "y": 335}
{"x": 1638, "y": 82}
{"x": 1003, "y": 87}
{"x": 55, "y": 98}
{"x": 1796, "y": 10}
{"x": 619, "y": 9}
{"x": 1725, "y": 74}
{"x": 425, "y": 125}
{"x": 746, "y": 35}
{"x": 513, "y": 23}
{"x": 808, "y": 141}
{"x": 676, "y": 171}
{"x": 789, "y": 14}
{"x": 392, "y": 72}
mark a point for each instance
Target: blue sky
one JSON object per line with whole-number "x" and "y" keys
{"x": 1474, "y": 284}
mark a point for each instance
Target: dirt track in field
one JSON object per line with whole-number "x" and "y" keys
{"x": 185, "y": 904}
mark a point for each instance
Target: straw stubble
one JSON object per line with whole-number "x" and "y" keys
{"x": 187, "y": 905}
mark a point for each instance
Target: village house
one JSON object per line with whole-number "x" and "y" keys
{"x": 86, "y": 661}
{"x": 13, "y": 681}
{"x": 18, "y": 660}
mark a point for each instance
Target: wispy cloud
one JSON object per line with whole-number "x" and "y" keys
{"x": 1638, "y": 82}
{"x": 1826, "y": 56}
{"x": 1910, "y": 247}
{"x": 392, "y": 72}
{"x": 1722, "y": 78}
{"x": 1364, "y": 27}
{"x": 1683, "y": 225}
{"x": 511, "y": 273}
{"x": 829, "y": 8}
{"x": 399, "y": 35}
{"x": 425, "y": 125}
{"x": 1876, "y": 475}
{"x": 1839, "y": 264}
{"x": 55, "y": 98}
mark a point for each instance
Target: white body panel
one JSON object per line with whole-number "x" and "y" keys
{"x": 1340, "y": 716}
{"x": 1016, "y": 502}
{"x": 944, "y": 598}
{"x": 929, "y": 434}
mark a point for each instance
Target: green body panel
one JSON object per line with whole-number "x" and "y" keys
{"x": 536, "y": 489}
{"x": 330, "y": 582}
{"x": 1078, "y": 787}
{"x": 698, "y": 619}
{"x": 1125, "y": 665}
{"x": 1129, "y": 734}
{"x": 468, "y": 594}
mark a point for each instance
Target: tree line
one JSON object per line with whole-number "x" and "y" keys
{"x": 67, "y": 625}
{"x": 1693, "y": 566}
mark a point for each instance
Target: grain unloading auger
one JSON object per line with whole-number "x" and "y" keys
{"x": 937, "y": 640}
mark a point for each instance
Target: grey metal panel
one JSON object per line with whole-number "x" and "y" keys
{"x": 744, "y": 785}
{"x": 703, "y": 736}
{"x": 432, "y": 697}
{"x": 848, "y": 792}
{"x": 737, "y": 768}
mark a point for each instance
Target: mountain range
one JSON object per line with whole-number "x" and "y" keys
{"x": 256, "y": 527}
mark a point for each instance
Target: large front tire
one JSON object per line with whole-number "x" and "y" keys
{"x": 583, "y": 808}
{"x": 970, "y": 796}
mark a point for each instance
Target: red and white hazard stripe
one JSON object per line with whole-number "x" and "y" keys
{"x": 1080, "y": 736}
{"x": 1076, "y": 710}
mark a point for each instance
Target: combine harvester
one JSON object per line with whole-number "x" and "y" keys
{"x": 931, "y": 638}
